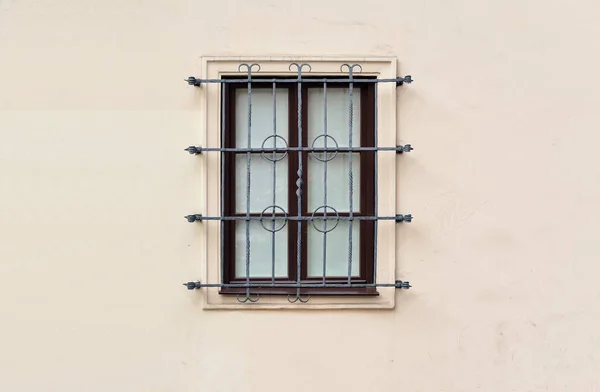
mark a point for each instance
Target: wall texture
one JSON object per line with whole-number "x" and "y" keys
{"x": 503, "y": 183}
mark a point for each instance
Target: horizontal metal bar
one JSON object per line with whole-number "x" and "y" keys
{"x": 198, "y": 218}
{"x": 399, "y": 284}
{"x": 195, "y": 150}
{"x": 192, "y": 81}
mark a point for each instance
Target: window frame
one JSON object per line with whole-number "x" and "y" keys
{"x": 366, "y": 193}
{"x": 204, "y": 179}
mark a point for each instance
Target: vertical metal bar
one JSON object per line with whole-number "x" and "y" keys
{"x": 350, "y": 175}
{"x": 299, "y": 183}
{"x": 376, "y": 222}
{"x": 273, "y": 157}
{"x": 248, "y": 161}
{"x": 223, "y": 119}
{"x": 325, "y": 158}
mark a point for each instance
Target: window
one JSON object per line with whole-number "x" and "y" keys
{"x": 291, "y": 210}
{"x": 327, "y": 249}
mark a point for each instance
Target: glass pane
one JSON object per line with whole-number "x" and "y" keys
{"x": 261, "y": 183}
{"x": 338, "y": 180}
{"x": 338, "y": 105}
{"x": 261, "y": 248}
{"x": 262, "y": 117}
{"x": 337, "y": 249}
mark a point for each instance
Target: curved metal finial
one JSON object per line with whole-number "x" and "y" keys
{"x": 248, "y": 297}
{"x": 300, "y": 68}
{"x": 297, "y": 298}
{"x": 249, "y": 68}
{"x": 350, "y": 68}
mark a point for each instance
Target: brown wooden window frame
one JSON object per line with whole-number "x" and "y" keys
{"x": 366, "y": 194}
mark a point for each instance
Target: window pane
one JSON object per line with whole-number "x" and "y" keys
{"x": 338, "y": 105}
{"x": 337, "y": 182}
{"x": 261, "y": 243}
{"x": 337, "y": 249}
{"x": 261, "y": 183}
{"x": 262, "y": 117}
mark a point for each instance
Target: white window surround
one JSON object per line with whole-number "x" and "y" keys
{"x": 209, "y": 111}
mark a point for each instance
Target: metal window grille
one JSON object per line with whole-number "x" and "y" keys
{"x": 325, "y": 213}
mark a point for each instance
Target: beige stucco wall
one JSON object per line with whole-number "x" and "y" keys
{"x": 504, "y": 184}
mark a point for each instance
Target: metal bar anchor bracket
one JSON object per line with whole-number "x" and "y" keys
{"x": 193, "y": 285}
{"x": 404, "y": 218}
{"x": 193, "y": 150}
{"x": 407, "y": 79}
{"x": 400, "y": 285}
{"x": 193, "y": 218}
{"x": 402, "y": 149}
{"x": 192, "y": 81}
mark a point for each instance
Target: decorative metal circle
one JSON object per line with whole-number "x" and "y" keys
{"x": 324, "y": 208}
{"x": 274, "y": 157}
{"x": 273, "y": 228}
{"x": 325, "y": 158}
